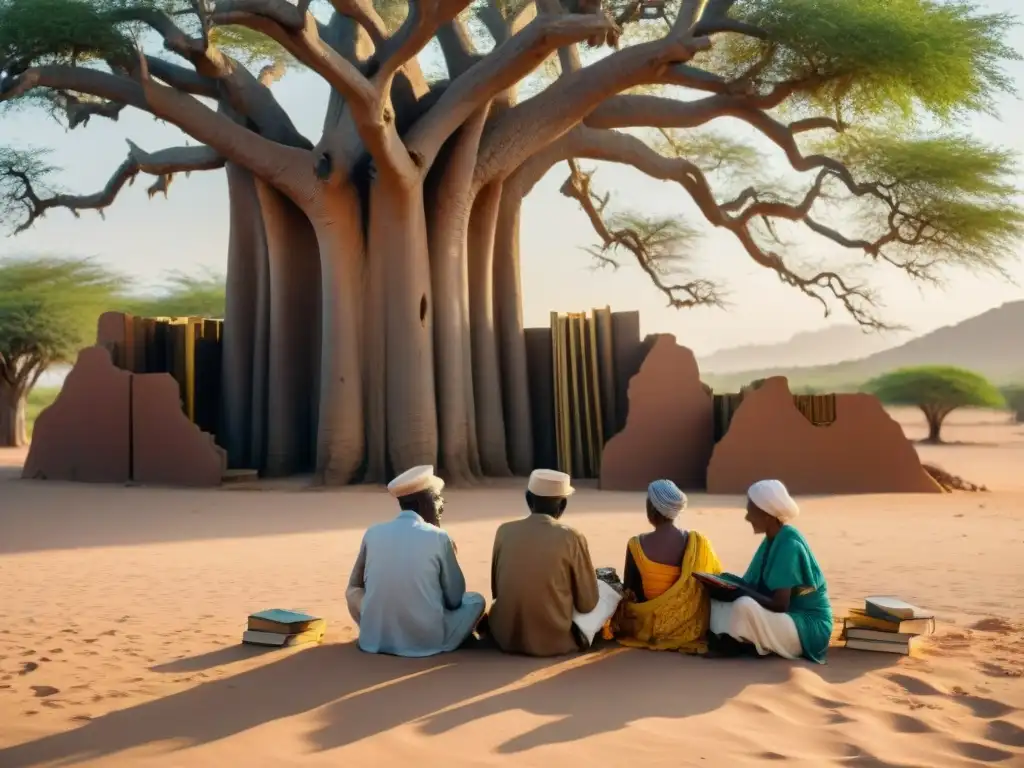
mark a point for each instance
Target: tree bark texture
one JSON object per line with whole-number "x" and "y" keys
{"x": 449, "y": 229}
{"x": 13, "y": 433}
{"x": 398, "y": 247}
{"x": 293, "y": 255}
{"x": 487, "y": 382}
{"x": 243, "y": 361}
{"x": 340, "y": 427}
{"x": 337, "y": 357}
{"x": 511, "y": 336}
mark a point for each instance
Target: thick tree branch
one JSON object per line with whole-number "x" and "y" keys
{"x": 245, "y": 93}
{"x": 365, "y": 15}
{"x": 181, "y": 78}
{"x": 611, "y": 146}
{"x": 502, "y": 68}
{"x": 538, "y": 121}
{"x": 102, "y": 85}
{"x": 273, "y": 162}
{"x": 367, "y": 101}
{"x": 419, "y": 27}
{"x": 457, "y": 46}
{"x": 78, "y": 111}
{"x": 163, "y": 164}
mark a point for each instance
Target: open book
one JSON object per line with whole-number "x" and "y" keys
{"x": 725, "y": 589}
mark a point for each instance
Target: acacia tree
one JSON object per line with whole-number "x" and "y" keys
{"x": 1014, "y": 396}
{"x": 48, "y": 311}
{"x": 403, "y": 216}
{"x": 937, "y": 390}
{"x": 184, "y": 295}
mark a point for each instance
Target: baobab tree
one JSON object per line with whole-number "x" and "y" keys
{"x": 374, "y": 315}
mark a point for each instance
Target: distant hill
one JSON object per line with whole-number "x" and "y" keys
{"x": 991, "y": 344}
{"x": 808, "y": 348}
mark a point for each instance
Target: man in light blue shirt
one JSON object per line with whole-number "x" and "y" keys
{"x": 407, "y": 593}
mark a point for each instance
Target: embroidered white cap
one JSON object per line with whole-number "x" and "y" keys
{"x": 414, "y": 480}
{"x": 550, "y": 482}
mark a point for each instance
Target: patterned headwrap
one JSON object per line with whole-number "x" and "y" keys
{"x": 666, "y": 497}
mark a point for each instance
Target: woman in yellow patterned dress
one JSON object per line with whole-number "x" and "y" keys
{"x": 665, "y": 609}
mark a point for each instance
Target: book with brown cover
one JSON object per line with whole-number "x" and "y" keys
{"x": 859, "y": 618}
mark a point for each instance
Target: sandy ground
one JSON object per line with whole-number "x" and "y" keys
{"x": 121, "y": 611}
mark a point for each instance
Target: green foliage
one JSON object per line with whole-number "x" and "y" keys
{"x": 940, "y": 387}
{"x": 200, "y": 295}
{"x": 876, "y": 57}
{"x": 48, "y": 311}
{"x": 1014, "y": 397}
{"x": 710, "y": 150}
{"x": 38, "y": 399}
{"x": 956, "y": 200}
{"x": 61, "y": 31}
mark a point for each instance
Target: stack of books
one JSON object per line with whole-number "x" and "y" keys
{"x": 283, "y": 629}
{"x": 886, "y": 625}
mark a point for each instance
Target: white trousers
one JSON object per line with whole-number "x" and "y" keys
{"x": 458, "y": 624}
{"x": 748, "y": 621}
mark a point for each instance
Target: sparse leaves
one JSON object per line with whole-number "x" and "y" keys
{"x": 24, "y": 177}
{"x": 657, "y": 245}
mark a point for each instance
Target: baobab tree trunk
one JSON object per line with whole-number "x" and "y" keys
{"x": 398, "y": 243}
{"x": 450, "y": 210}
{"x": 244, "y": 347}
{"x": 294, "y": 257}
{"x": 490, "y": 420}
{"x": 13, "y": 432}
{"x": 508, "y": 301}
{"x": 374, "y": 340}
{"x": 340, "y": 428}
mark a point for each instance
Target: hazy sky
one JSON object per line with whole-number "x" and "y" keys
{"x": 189, "y": 230}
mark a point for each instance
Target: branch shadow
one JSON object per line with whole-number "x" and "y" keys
{"x": 624, "y": 686}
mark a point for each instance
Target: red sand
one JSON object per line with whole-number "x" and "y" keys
{"x": 122, "y": 609}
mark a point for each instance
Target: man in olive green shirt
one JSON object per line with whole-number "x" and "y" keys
{"x": 540, "y": 572}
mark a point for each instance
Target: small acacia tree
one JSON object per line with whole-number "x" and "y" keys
{"x": 374, "y": 309}
{"x": 937, "y": 391}
{"x": 48, "y": 311}
{"x": 1014, "y": 397}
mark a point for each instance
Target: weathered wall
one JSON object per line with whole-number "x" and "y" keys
{"x": 669, "y": 430}
{"x": 863, "y": 451}
{"x": 108, "y": 425}
{"x": 168, "y": 449}
{"x": 83, "y": 435}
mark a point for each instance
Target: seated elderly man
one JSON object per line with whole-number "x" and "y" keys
{"x": 540, "y": 572}
{"x": 407, "y": 592}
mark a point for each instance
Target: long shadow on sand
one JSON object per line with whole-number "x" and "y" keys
{"x": 363, "y": 695}
{"x": 624, "y": 686}
{"x": 368, "y": 694}
{"x": 38, "y": 516}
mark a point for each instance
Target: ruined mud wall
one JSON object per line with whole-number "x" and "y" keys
{"x": 109, "y": 425}
{"x": 863, "y": 451}
{"x": 670, "y": 427}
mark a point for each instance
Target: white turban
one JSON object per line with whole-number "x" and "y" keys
{"x": 772, "y": 497}
{"x": 666, "y": 497}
